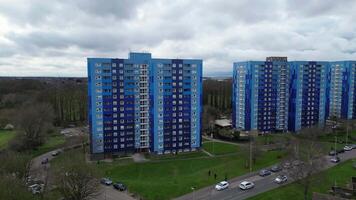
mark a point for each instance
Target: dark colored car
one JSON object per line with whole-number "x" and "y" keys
{"x": 340, "y": 151}
{"x": 119, "y": 186}
{"x": 264, "y": 172}
{"x": 332, "y": 153}
{"x": 44, "y": 161}
{"x": 276, "y": 168}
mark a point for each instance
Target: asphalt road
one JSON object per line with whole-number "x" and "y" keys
{"x": 262, "y": 184}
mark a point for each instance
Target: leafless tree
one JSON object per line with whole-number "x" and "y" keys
{"x": 33, "y": 120}
{"x": 306, "y": 158}
{"x": 76, "y": 180}
{"x": 14, "y": 163}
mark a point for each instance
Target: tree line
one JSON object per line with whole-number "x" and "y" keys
{"x": 67, "y": 97}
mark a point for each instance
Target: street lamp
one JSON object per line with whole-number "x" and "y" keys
{"x": 193, "y": 188}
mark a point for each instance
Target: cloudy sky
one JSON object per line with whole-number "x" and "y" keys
{"x": 53, "y": 38}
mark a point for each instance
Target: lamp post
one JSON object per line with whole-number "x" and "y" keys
{"x": 193, "y": 188}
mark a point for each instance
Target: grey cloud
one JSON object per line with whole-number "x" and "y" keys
{"x": 58, "y": 35}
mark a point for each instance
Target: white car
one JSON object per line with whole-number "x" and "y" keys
{"x": 222, "y": 185}
{"x": 245, "y": 185}
{"x": 280, "y": 179}
{"x": 348, "y": 148}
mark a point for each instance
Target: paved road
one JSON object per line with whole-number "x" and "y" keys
{"x": 40, "y": 172}
{"x": 262, "y": 184}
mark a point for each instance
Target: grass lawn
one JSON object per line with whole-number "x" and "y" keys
{"x": 53, "y": 142}
{"x": 218, "y": 148}
{"x": 190, "y": 155}
{"x": 5, "y": 137}
{"x": 340, "y": 174}
{"x": 169, "y": 178}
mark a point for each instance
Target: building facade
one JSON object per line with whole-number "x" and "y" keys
{"x": 277, "y": 95}
{"x": 144, "y": 104}
{"x": 309, "y": 92}
{"x": 261, "y": 95}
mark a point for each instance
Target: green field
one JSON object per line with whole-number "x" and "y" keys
{"x": 166, "y": 178}
{"x": 218, "y": 148}
{"x": 5, "y": 137}
{"x": 340, "y": 174}
{"x": 53, "y": 142}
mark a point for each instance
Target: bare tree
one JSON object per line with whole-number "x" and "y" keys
{"x": 14, "y": 163}
{"x": 76, "y": 180}
{"x": 13, "y": 188}
{"x": 33, "y": 121}
{"x": 306, "y": 158}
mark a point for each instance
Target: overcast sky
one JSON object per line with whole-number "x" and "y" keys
{"x": 54, "y": 37}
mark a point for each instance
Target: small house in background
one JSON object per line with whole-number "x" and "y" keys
{"x": 223, "y": 123}
{"x": 9, "y": 127}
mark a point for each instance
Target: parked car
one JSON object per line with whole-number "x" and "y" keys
{"x": 264, "y": 172}
{"x": 55, "y": 153}
{"x": 245, "y": 185}
{"x": 36, "y": 188}
{"x": 353, "y": 146}
{"x": 332, "y": 153}
{"x": 44, "y": 161}
{"x": 348, "y": 148}
{"x": 340, "y": 151}
{"x": 222, "y": 185}
{"x": 280, "y": 179}
{"x": 106, "y": 181}
{"x": 276, "y": 168}
{"x": 119, "y": 186}
{"x": 335, "y": 159}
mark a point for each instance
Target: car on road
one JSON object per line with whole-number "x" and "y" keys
{"x": 106, "y": 181}
{"x": 264, "y": 172}
{"x": 245, "y": 185}
{"x": 280, "y": 179}
{"x": 332, "y": 153}
{"x": 340, "y": 151}
{"x": 335, "y": 159}
{"x": 36, "y": 188}
{"x": 119, "y": 186}
{"x": 348, "y": 148}
{"x": 353, "y": 146}
{"x": 44, "y": 161}
{"x": 222, "y": 185}
{"x": 55, "y": 153}
{"x": 276, "y": 168}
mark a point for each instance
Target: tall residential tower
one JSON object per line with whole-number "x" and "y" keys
{"x": 261, "y": 95}
{"x": 144, "y": 104}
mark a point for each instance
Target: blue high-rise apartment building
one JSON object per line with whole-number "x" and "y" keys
{"x": 144, "y": 104}
{"x": 277, "y": 95}
{"x": 261, "y": 95}
{"x": 343, "y": 89}
{"x": 309, "y": 92}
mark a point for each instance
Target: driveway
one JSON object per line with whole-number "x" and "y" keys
{"x": 262, "y": 184}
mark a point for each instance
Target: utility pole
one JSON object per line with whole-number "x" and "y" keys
{"x": 250, "y": 153}
{"x": 335, "y": 147}
{"x": 347, "y": 131}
